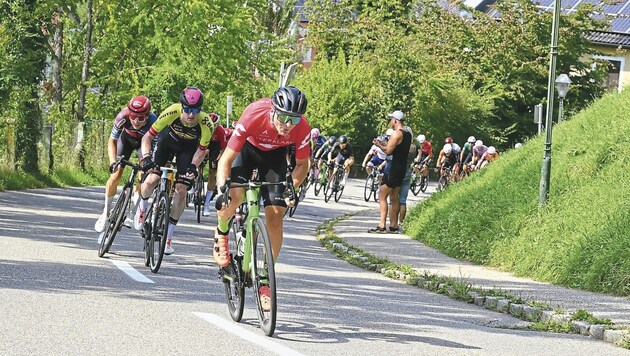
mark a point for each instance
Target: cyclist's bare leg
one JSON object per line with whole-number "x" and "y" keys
{"x": 384, "y": 192}
{"x": 395, "y": 209}
{"x": 224, "y": 215}
{"x": 273, "y": 218}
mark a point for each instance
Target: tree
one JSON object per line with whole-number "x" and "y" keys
{"x": 24, "y": 45}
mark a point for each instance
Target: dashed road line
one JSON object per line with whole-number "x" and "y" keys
{"x": 247, "y": 335}
{"x": 132, "y": 272}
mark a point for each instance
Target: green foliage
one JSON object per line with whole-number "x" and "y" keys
{"x": 453, "y": 76}
{"x": 589, "y": 318}
{"x": 63, "y": 177}
{"x": 493, "y": 218}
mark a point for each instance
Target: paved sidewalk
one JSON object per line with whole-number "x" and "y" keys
{"x": 402, "y": 250}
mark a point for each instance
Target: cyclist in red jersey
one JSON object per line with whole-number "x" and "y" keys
{"x": 260, "y": 140}
{"x": 218, "y": 143}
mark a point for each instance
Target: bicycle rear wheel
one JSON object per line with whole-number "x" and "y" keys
{"x": 233, "y": 277}
{"x": 367, "y": 191}
{"x": 317, "y": 185}
{"x": 416, "y": 185}
{"x": 328, "y": 191}
{"x": 115, "y": 220}
{"x": 339, "y": 190}
{"x": 200, "y": 196}
{"x": 263, "y": 274}
{"x": 157, "y": 243}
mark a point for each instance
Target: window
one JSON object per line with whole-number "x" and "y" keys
{"x": 615, "y": 72}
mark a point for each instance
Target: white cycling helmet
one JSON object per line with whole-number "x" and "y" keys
{"x": 447, "y": 149}
{"x": 389, "y": 132}
{"x": 471, "y": 139}
{"x": 421, "y": 138}
{"x": 492, "y": 150}
{"x": 518, "y": 145}
{"x": 478, "y": 143}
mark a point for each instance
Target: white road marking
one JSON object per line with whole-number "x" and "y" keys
{"x": 131, "y": 272}
{"x": 229, "y": 325}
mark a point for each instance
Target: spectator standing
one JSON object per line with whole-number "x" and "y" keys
{"x": 397, "y": 146}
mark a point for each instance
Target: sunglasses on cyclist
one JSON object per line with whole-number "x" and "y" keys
{"x": 189, "y": 110}
{"x": 138, "y": 118}
{"x": 288, "y": 118}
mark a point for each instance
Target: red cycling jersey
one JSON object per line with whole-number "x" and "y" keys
{"x": 255, "y": 127}
{"x": 219, "y": 135}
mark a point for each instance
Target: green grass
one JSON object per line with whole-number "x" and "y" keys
{"x": 580, "y": 238}
{"x": 62, "y": 177}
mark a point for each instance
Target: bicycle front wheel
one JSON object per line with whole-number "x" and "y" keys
{"x": 115, "y": 220}
{"x": 367, "y": 191}
{"x": 317, "y": 184}
{"x": 157, "y": 243}
{"x": 263, "y": 276}
{"x": 233, "y": 277}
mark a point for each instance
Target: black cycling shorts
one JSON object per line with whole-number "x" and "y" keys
{"x": 169, "y": 147}
{"x": 126, "y": 144}
{"x": 272, "y": 167}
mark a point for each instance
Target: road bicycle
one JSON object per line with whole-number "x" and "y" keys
{"x": 198, "y": 194}
{"x": 251, "y": 259}
{"x": 418, "y": 182}
{"x": 156, "y": 223}
{"x": 321, "y": 179}
{"x": 372, "y": 183}
{"x": 445, "y": 177}
{"x": 116, "y": 216}
{"x": 310, "y": 178}
{"x": 334, "y": 185}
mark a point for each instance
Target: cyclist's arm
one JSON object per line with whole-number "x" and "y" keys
{"x": 199, "y": 156}
{"x": 111, "y": 150}
{"x": 146, "y": 143}
{"x": 225, "y": 165}
{"x": 367, "y": 158}
{"x": 300, "y": 171}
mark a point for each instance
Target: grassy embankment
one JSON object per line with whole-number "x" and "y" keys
{"x": 63, "y": 177}
{"x": 580, "y": 238}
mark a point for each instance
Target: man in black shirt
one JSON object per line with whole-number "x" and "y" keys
{"x": 398, "y": 147}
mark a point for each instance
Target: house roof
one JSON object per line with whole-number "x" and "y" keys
{"x": 609, "y": 38}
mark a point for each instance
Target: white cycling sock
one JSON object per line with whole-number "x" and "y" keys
{"x": 108, "y": 204}
{"x": 171, "y": 229}
{"x": 144, "y": 204}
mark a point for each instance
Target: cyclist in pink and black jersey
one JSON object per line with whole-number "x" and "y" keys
{"x": 259, "y": 141}
{"x": 131, "y": 123}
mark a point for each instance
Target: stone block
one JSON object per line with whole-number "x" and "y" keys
{"x": 582, "y": 326}
{"x": 490, "y": 302}
{"x": 596, "y": 331}
{"x": 547, "y": 315}
{"x": 516, "y": 310}
{"x": 503, "y": 305}
{"x": 479, "y": 300}
{"x": 614, "y": 336}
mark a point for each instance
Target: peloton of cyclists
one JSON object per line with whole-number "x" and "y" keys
{"x": 423, "y": 158}
{"x": 131, "y": 123}
{"x": 323, "y": 151}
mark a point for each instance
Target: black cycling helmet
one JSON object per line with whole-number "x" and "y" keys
{"x": 332, "y": 140}
{"x": 289, "y": 100}
{"x": 191, "y": 97}
{"x": 343, "y": 139}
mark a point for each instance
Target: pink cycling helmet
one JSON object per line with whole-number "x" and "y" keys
{"x": 314, "y": 133}
{"x": 191, "y": 97}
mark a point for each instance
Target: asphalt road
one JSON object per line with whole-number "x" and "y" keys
{"x": 57, "y": 297}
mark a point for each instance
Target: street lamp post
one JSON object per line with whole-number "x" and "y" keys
{"x": 545, "y": 170}
{"x": 562, "y": 84}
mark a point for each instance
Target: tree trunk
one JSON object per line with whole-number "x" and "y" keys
{"x": 56, "y": 64}
{"x": 83, "y": 88}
